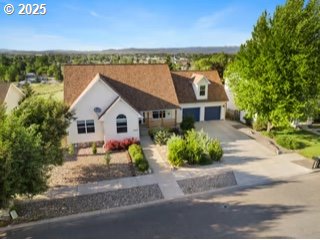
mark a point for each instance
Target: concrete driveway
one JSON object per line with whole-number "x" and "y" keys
{"x": 251, "y": 161}
{"x": 237, "y": 146}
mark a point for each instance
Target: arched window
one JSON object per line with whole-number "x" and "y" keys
{"x": 122, "y": 124}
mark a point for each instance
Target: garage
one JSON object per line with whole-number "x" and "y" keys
{"x": 212, "y": 113}
{"x": 191, "y": 112}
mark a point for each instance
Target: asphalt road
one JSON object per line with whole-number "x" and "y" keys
{"x": 286, "y": 209}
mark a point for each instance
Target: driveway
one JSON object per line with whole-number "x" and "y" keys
{"x": 237, "y": 146}
{"x": 251, "y": 162}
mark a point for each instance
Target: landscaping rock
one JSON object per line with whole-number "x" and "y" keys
{"x": 206, "y": 183}
{"x": 39, "y": 209}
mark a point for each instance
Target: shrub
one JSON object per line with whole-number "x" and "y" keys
{"x": 143, "y": 166}
{"x": 115, "y": 145}
{"x": 71, "y": 150}
{"x": 107, "y": 158}
{"x": 176, "y": 150}
{"x": 195, "y": 148}
{"x": 187, "y": 123}
{"x": 152, "y": 132}
{"x": 260, "y": 124}
{"x": 174, "y": 130}
{"x": 214, "y": 150}
{"x": 134, "y": 149}
{"x": 136, "y": 154}
{"x": 248, "y": 120}
{"x": 289, "y": 142}
{"x": 94, "y": 148}
{"x": 162, "y": 136}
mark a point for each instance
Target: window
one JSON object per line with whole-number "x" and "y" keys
{"x": 202, "y": 90}
{"x": 85, "y": 126}
{"x": 122, "y": 124}
{"x": 159, "y": 114}
{"x": 90, "y": 126}
{"x": 81, "y": 127}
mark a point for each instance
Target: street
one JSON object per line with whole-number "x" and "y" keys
{"x": 284, "y": 209}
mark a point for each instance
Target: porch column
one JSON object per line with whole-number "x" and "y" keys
{"x": 175, "y": 117}
{"x": 161, "y": 118}
{"x": 148, "y": 124}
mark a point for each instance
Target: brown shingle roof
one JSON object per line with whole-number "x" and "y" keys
{"x": 4, "y": 87}
{"x": 183, "y": 84}
{"x": 145, "y": 86}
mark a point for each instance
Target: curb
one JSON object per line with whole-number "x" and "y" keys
{"x": 225, "y": 190}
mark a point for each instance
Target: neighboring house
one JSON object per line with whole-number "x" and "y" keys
{"x": 31, "y": 77}
{"x": 112, "y": 101}
{"x": 10, "y": 95}
{"x": 232, "y": 109}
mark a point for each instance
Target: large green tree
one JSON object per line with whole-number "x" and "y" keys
{"x": 22, "y": 170}
{"x": 276, "y": 74}
{"x": 51, "y": 119}
{"x": 30, "y": 142}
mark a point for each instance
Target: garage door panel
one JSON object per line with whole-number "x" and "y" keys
{"x": 212, "y": 113}
{"x": 191, "y": 112}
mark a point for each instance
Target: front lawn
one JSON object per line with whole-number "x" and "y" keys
{"x": 308, "y": 144}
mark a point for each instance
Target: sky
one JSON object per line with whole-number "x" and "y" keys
{"x": 106, "y": 24}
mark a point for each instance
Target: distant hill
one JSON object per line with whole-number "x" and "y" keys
{"x": 187, "y": 50}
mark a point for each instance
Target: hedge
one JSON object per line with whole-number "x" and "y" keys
{"x": 136, "y": 154}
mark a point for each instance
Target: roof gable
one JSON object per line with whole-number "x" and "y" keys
{"x": 144, "y": 86}
{"x": 198, "y": 78}
{"x": 4, "y": 87}
{"x": 114, "y": 103}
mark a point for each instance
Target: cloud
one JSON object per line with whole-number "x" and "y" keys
{"x": 94, "y": 14}
{"x": 214, "y": 19}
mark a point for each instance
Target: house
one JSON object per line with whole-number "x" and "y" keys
{"x": 111, "y": 102}
{"x": 31, "y": 77}
{"x": 232, "y": 109}
{"x": 10, "y": 95}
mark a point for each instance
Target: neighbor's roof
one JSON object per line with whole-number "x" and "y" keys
{"x": 144, "y": 86}
{"x": 183, "y": 84}
{"x": 4, "y": 87}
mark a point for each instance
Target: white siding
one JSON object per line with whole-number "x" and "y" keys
{"x": 110, "y": 125}
{"x": 13, "y": 97}
{"x": 202, "y": 107}
{"x": 99, "y": 95}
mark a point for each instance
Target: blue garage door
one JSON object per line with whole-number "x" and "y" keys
{"x": 212, "y": 113}
{"x": 193, "y": 112}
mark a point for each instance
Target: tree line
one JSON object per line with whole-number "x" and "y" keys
{"x": 14, "y": 67}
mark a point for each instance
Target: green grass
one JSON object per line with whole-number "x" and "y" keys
{"x": 310, "y": 141}
{"x": 54, "y": 90}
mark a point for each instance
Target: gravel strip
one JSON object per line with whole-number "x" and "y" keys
{"x": 206, "y": 183}
{"x": 39, "y": 209}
